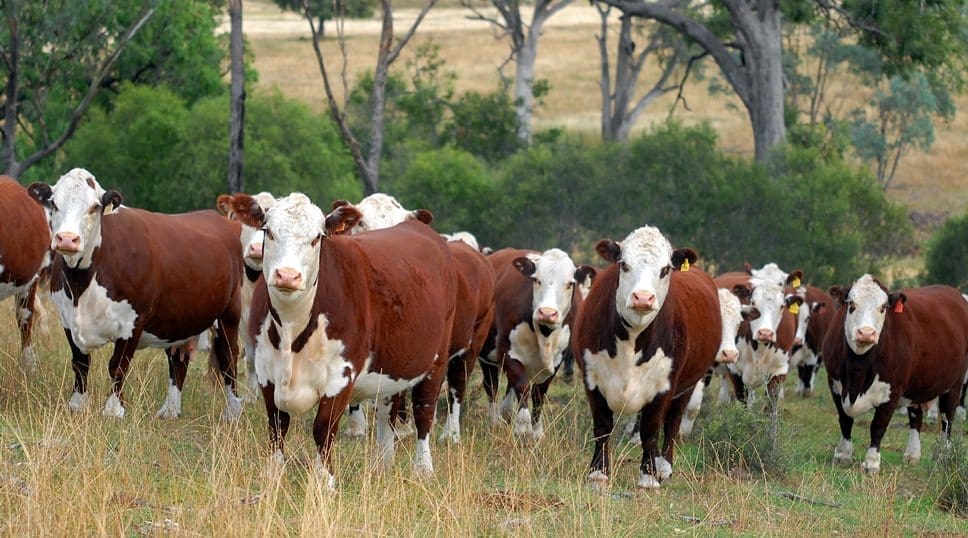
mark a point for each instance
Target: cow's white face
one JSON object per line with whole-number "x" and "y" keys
{"x": 867, "y": 305}
{"x": 767, "y": 297}
{"x": 464, "y": 237}
{"x": 732, "y": 313}
{"x": 76, "y": 205}
{"x": 803, "y": 320}
{"x": 293, "y": 235}
{"x": 553, "y": 280}
{"x": 644, "y": 274}
{"x": 252, "y": 238}
{"x": 380, "y": 211}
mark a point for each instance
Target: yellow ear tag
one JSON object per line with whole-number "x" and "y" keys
{"x": 685, "y": 266}
{"x": 795, "y": 284}
{"x": 794, "y": 308}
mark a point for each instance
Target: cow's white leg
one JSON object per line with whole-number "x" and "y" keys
{"x": 496, "y": 413}
{"x": 79, "y": 402}
{"x": 801, "y": 387}
{"x": 725, "y": 396}
{"x": 356, "y": 422}
{"x": 663, "y": 469}
{"x": 113, "y": 407}
{"x": 913, "y": 452}
{"x": 384, "y": 432}
{"x": 172, "y": 406}
{"x": 537, "y": 429}
{"x": 932, "y": 413}
{"x": 28, "y": 360}
{"x": 423, "y": 463}
{"x": 692, "y": 410}
{"x": 404, "y": 429}
{"x": 508, "y": 404}
{"x": 254, "y": 389}
{"x": 452, "y": 425}
{"x": 322, "y": 474}
{"x": 961, "y": 413}
{"x": 872, "y": 462}
{"x": 647, "y": 481}
{"x": 522, "y": 423}
{"x": 233, "y": 406}
{"x": 844, "y": 452}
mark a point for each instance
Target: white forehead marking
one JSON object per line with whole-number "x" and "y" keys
{"x": 553, "y": 262}
{"x": 75, "y": 184}
{"x": 381, "y": 211}
{"x": 729, "y": 307}
{"x": 646, "y": 244}
{"x": 264, "y": 199}
{"x": 465, "y": 237}
{"x": 294, "y": 215}
{"x": 770, "y": 272}
{"x": 866, "y": 292}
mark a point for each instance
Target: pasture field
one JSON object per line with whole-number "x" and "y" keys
{"x": 931, "y": 184}
{"x": 67, "y": 474}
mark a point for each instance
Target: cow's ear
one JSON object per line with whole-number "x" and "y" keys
{"x": 585, "y": 271}
{"x": 339, "y": 203}
{"x": 682, "y": 258}
{"x": 839, "y": 293}
{"x": 42, "y": 193}
{"x": 423, "y": 215}
{"x": 743, "y": 292}
{"x": 818, "y": 307}
{"x": 749, "y": 313}
{"x": 748, "y": 268}
{"x": 110, "y": 201}
{"x": 793, "y": 299}
{"x": 342, "y": 220}
{"x": 609, "y": 250}
{"x": 525, "y": 265}
{"x": 223, "y": 204}
{"x": 247, "y": 210}
{"x": 894, "y": 299}
{"x": 795, "y": 278}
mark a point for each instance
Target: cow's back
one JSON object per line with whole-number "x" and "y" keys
{"x": 697, "y": 323}
{"x": 819, "y": 322}
{"x": 24, "y": 234}
{"x": 475, "y": 296}
{"x": 512, "y": 289}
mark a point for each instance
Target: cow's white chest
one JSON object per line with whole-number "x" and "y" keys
{"x": 879, "y": 392}
{"x": 370, "y": 385}
{"x": 539, "y": 355}
{"x": 97, "y": 319}
{"x": 759, "y": 366}
{"x": 803, "y": 357}
{"x": 627, "y": 387}
{"x": 302, "y": 378}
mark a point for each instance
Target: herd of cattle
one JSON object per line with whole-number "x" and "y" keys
{"x": 367, "y": 302}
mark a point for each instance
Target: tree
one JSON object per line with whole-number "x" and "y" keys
{"x": 368, "y": 168}
{"x": 324, "y": 10}
{"x": 524, "y": 48}
{"x": 52, "y": 76}
{"x": 237, "y": 101}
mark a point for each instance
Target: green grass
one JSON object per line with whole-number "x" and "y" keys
{"x": 63, "y": 473}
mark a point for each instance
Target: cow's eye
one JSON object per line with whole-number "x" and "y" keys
{"x": 317, "y": 239}
{"x": 537, "y": 282}
{"x": 92, "y": 210}
{"x": 269, "y": 235}
{"x": 883, "y": 308}
{"x": 570, "y": 285}
{"x": 625, "y": 267}
{"x": 851, "y": 306}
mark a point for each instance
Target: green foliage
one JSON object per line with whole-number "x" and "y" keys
{"x": 167, "y": 156}
{"x": 734, "y": 440}
{"x": 946, "y": 258}
{"x": 949, "y": 475}
{"x": 484, "y": 125}
{"x": 324, "y": 10}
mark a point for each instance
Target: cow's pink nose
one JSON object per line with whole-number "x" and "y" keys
{"x": 547, "y": 315}
{"x": 643, "y": 300}
{"x": 866, "y": 335}
{"x": 728, "y": 355}
{"x": 67, "y": 242}
{"x": 255, "y": 251}
{"x": 289, "y": 279}
{"x": 764, "y": 335}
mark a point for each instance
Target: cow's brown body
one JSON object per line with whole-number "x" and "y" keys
{"x": 808, "y": 354}
{"x": 24, "y": 247}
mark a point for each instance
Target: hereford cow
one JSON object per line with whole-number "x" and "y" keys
{"x": 340, "y": 319}
{"x": 140, "y": 279}
{"x": 886, "y": 349}
{"x": 765, "y": 342}
{"x": 475, "y": 301}
{"x": 647, "y": 334}
{"x": 251, "y": 243}
{"x": 813, "y": 320}
{"x": 536, "y": 300}
{"x": 24, "y": 248}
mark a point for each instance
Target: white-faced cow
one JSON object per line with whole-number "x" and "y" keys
{"x": 251, "y": 243}
{"x": 813, "y": 320}
{"x": 765, "y": 342}
{"x": 886, "y": 349}
{"x": 646, "y": 335}
{"x": 24, "y": 248}
{"x": 340, "y": 319}
{"x": 475, "y": 301}
{"x": 140, "y": 279}
{"x": 536, "y": 300}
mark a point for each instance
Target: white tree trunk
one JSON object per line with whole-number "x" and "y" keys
{"x": 766, "y": 71}
{"x": 524, "y": 83}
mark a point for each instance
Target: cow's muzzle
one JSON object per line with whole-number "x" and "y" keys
{"x": 547, "y": 316}
{"x": 642, "y": 301}
{"x": 67, "y": 243}
{"x": 287, "y": 279}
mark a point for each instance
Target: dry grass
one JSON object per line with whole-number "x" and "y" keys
{"x": 68, "y": 474}
{"x": 931, "y": 183}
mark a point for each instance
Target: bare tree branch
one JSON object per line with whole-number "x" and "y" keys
{"x": 402, "y": 42}
{"x": 682, "y": 82}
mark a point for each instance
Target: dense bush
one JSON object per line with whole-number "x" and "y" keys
{"x": 164, "y": 156}
{"x": 735, "y": 442}
{"x": 946, "y": 258}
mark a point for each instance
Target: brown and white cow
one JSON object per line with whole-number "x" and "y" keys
{"x": 475, "y": 302}
{"x": 24, "y": 251}
{"x": 340, "y": 319}
{"x": 140, "y": 279}
{"x": 813, "y": 320}
{"x": 646, "y": 335}
{"x": 765, "y": 342}
{"x": 251, "y": 243}
{"x": 536, "y": 300}
{"x": 886, "y": 349}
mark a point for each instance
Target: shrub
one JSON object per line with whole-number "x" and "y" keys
{"x": 736, "y": 439}
{"x": 946, "y": 258}
{"x": 949, "y": 475}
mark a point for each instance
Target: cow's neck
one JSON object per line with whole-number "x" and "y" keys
{"x": 251, "y": 275}
{"x": 292, "y": 315}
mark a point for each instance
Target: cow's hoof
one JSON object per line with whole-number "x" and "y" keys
{"x": 356, "y": 425}
{"x": 911, "y": 458}
{"x": 79, "y": 402}
{"x": 663, "y": 469}
{"x": 447, "y": 435}
{"x": 844, "y": 453}
{"x": 872, "y": 463}
{"x": 113, "y": 407}
{"x": 647, "y": 481}
{"x": 28, "y": 361}
{"x": 167, "y": 412}
{"x": 403, "y": 430}
{"x": 597, "y": 480}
